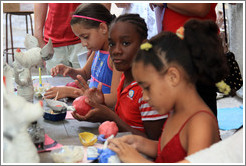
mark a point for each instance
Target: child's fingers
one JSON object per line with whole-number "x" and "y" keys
{"x": 114, "y": 148}
{"x": 53, "y": 72}
{"x": 65, "y": 73}
{"x": 57, "y": 70}
{"x": 78, "y": 92}
{"x": 91, "y": 103}
{"x": 118, "y": 146}
{"x": 78, "y": 84}
{"x": 82, "y": 89}
{"x": 82, "y": 82}
{"x": 77, "y": 116}
{"x": 49, "y": 94}
{"x": 99, "y": 87}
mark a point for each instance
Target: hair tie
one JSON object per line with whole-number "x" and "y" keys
{"x": 223, "y": 87}
{"x": 89, "y": 18}
{"x": 180, "y": 32}
{"x": 146, "y": 46}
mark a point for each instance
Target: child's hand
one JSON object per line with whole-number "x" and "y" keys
{"x": 100, "y": 113}
{"x": 64, "y": 91}
{"x": 126, "y": 152}
{"x": 94, "y": 115}
{"x": 94, "y": 94}
{"x": 61, "y": 69}
{"x": 81, "y": 83}
{"x": 128, "y": 139}
{"x": 51, "y": 93}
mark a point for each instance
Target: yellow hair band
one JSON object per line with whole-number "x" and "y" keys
{"x": 146, "y": 46}
{"x": 223, "y": 87}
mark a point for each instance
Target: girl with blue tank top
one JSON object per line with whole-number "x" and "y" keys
{"x": 90, "y": 22}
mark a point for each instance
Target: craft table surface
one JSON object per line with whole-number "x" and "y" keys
{"x": 64, "y": 132}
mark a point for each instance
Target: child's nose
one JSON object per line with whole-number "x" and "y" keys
{"x": 145, "y": 97}
{"x": 84, "y": 44}
{"x": 117, "y": 49}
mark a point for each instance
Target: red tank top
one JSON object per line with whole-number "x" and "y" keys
{"x": 173, "y": 20}
{"x": 173, "y": 151}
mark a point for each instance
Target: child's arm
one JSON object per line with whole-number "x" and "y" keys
{"x": 85, "y": 72}
{"x": 110, "y": 99}
{"x": 64, "y": 91}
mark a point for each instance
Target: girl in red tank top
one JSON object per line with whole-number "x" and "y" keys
{"x": 167, "y": 68}
{"x": 173, "y": 151}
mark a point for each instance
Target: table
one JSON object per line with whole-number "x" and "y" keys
{"x": 64, "y": 132}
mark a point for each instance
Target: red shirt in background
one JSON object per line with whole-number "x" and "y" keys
{"x": 173, "y": 20}
{"x": 57, "y": 25}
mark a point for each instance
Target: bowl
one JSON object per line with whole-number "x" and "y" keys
{"x": 87, "y": 138}
{"x": 56, "y": 106}
{"x": 50, "y": 115}
{"x": 68, "y": 154}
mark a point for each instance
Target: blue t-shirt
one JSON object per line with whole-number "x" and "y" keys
{"x": 101, "y": 71}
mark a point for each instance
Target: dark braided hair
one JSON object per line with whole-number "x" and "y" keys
{"x": 200, "y": 53}
{"x": 136, "y": 20}
{"x": 94, "y": 10}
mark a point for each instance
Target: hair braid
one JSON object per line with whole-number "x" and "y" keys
{"x": 136, "y": 20}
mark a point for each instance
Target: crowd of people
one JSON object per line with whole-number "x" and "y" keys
{"x": 140, "y": 75}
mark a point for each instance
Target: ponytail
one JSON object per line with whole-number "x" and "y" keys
{"x": 206, "y": 50}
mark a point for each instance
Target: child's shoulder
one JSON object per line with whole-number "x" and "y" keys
{"x": 202, "y": 122}
{"x": 202, "y": 117}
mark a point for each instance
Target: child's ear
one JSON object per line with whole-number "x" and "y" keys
{"x": 173, "y": 76}
{"x": 104, "y": 28}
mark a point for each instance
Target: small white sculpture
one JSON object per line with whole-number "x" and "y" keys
{"x": 24, "y": 61}
{"x": 18, "y": 114}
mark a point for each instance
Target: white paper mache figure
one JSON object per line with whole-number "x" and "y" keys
{"x": 24, "y": 61}
{"x": 18, "y": 114}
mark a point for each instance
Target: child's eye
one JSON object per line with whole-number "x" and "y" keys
{"x": 111, "y": 44}
{"x": 85, "y": 37}
{"x": 146, "y": 88}
{"x": 126, "y": 43}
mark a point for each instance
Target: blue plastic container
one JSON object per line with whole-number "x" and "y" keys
{"x": 55, "y": 116}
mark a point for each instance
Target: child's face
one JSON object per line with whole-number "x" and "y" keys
{"x": 156, "y": 87}
{"x": 94, "y": 39}
{"x": 124, "y": 42}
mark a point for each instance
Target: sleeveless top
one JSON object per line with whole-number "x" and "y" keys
{"x": 101, "y": 71}
{"x": 173, "y": 151}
